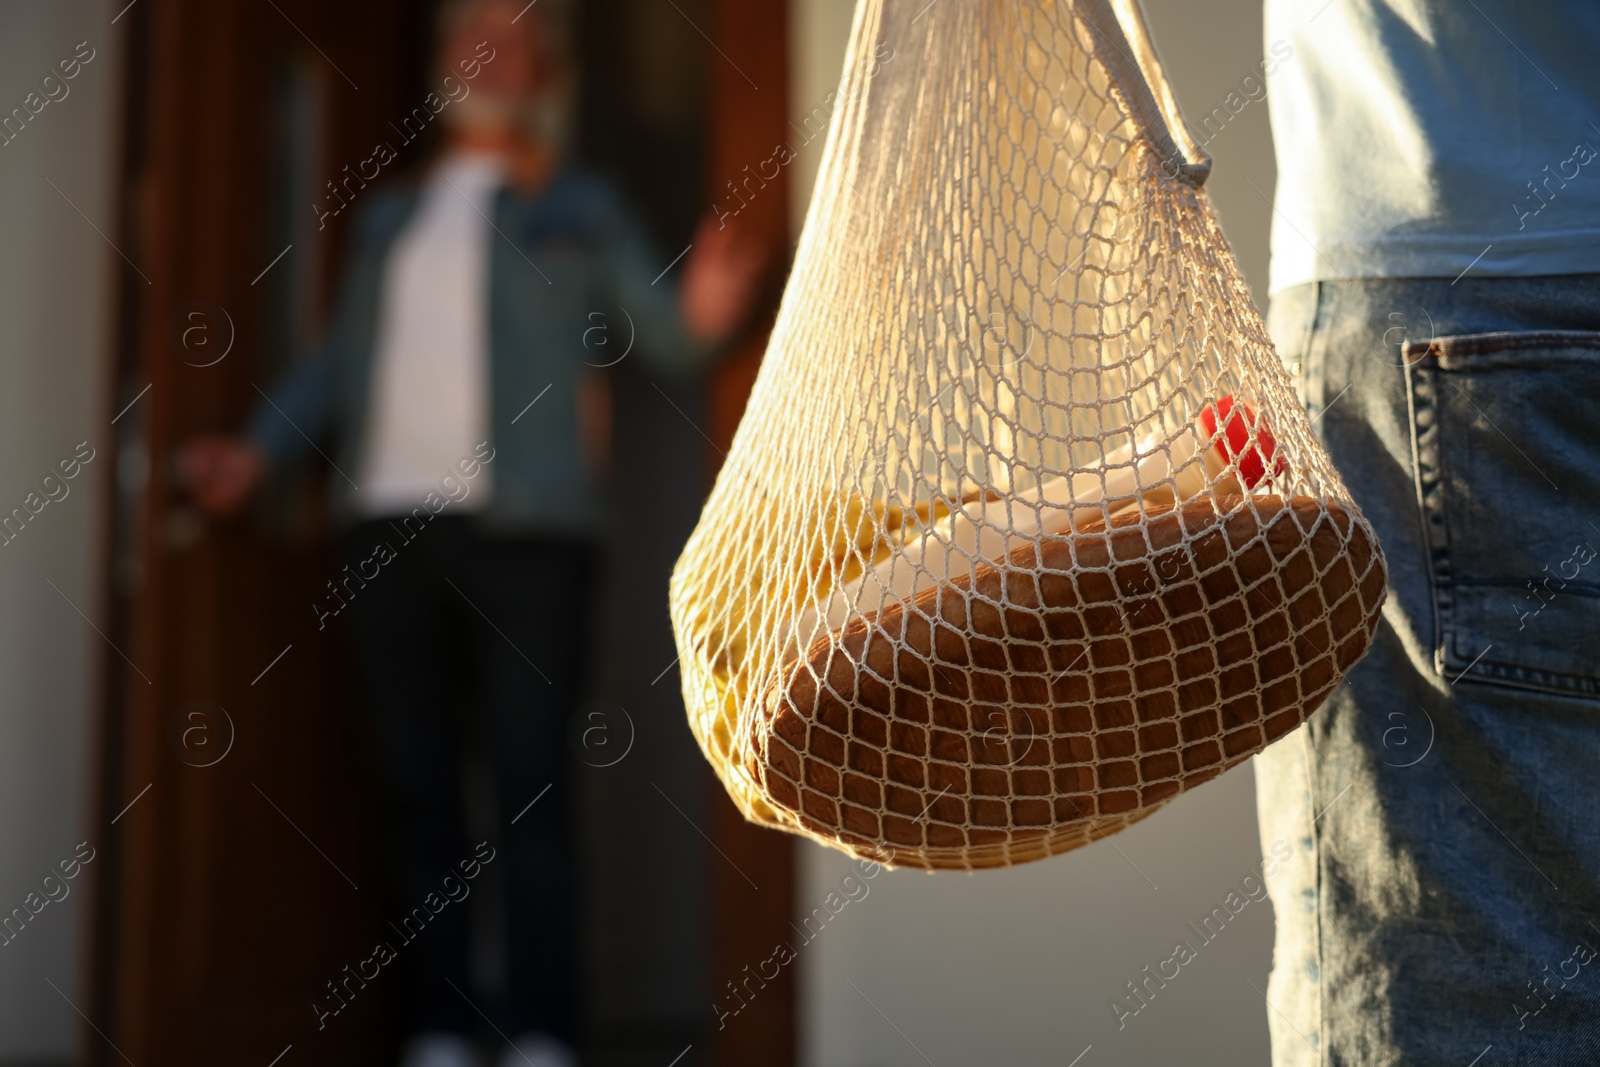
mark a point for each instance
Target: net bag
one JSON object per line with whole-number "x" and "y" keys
{"x": 1024, "y": 531}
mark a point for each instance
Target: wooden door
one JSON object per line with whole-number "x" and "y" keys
{"x": 238, "y": 825}
{"x": 239, "y": 869}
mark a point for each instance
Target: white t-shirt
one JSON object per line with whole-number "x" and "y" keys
{"x": 1421, "y": 138}
{"x": 430, "y": 373}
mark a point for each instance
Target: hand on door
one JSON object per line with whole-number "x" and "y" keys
{"x": 220, "y": 472}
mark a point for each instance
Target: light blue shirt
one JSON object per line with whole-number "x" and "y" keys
{"x": 1418, "y": 138}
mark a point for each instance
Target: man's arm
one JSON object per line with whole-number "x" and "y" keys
{"x": 222, "y": 471}
{"x": 296, "y": 413}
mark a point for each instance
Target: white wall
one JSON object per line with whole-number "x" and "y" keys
{"x": 56, "y": 276}
{"x": 1017, "y": 967}
{"x": 819, "y": 31}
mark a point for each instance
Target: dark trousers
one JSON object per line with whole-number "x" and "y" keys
{"x": 458, "y": 623}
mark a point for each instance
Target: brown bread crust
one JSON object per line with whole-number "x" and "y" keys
{"x": 1045, "y": 701}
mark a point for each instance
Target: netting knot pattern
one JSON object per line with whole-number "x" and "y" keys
{"x": 1024, "y": 531}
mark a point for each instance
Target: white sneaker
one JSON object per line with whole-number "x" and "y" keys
{"x": 439, "y": 1050}
{"x": 541, "y": 1050}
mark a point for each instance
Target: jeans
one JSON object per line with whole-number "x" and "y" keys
{"x": 1442, "y": 902}
{"x": 460, "y": 622}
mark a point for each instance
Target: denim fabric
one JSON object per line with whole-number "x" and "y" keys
{"x": 1443, "y": 899}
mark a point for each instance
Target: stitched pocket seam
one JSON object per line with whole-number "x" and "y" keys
{"x": 1424, "y": 362}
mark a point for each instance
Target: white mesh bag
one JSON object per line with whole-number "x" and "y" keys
{"x": 1024, "y": 531}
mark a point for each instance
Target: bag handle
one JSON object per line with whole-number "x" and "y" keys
{"x": 1124, "y": 46}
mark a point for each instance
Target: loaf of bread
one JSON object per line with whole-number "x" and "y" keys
{"x": 1056, "y": 695}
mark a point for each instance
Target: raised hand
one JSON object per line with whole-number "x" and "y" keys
{"x": 720, "y": 279}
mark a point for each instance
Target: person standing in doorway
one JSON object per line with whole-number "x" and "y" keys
{"x": 451, "y": 384}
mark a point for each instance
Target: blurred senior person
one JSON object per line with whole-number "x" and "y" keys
{"x": 466, "y": 299}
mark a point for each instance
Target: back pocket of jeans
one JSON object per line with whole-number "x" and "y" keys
{"x": 1506, "y": 432}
